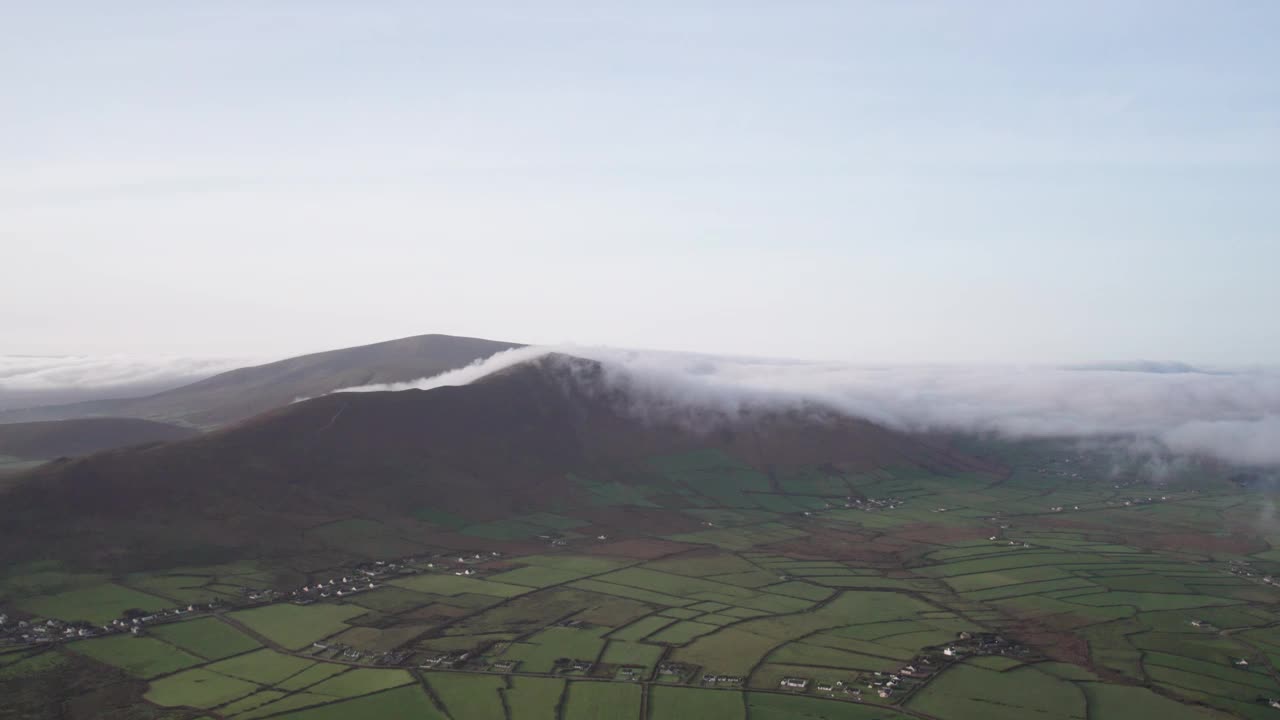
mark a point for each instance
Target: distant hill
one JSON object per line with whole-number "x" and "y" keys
{"x": 517, "y": 441}
{"x": 70, "y": 438}
{"x": 245, "y": 392}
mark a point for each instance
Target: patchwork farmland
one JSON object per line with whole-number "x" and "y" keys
{"x": 821, "y": 594}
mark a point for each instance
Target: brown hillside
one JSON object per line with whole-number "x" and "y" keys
{"x": 502, "y": 445}
{"x": 67, "y": 438}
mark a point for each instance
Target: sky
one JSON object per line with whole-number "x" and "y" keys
{"x": 856, "y": 181}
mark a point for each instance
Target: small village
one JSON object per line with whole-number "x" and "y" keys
{"x": 25, "y": 629}
{"x": 898, "y": 684}
{"x": 872, "y": 504}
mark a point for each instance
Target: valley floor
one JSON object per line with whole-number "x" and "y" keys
{"x": 1046, "y": 594}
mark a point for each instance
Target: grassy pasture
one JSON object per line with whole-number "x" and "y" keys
{"x": 538, "y": 577}
{"x": 198, "y": 687}
{"x": 1123, "y": 702}
{"x": 295, "y": 626}
{"x": 1153, "y": 601}
{"x": 802, "y": 653}
{"x": 141, "y": 656}
{"x": 265, "y": 667}
{"x": 630, "y": 592}
{"x": 539, "y": 652}
{"x": 682, "y": 632}
{"x": 392, "y": 599}
{"x": 602, "y": 701}
{"x": 631, "y": 653}
{"x": 585, "y": 564}
{"x": 468, "y": 696}
{"x": 179, "y": 589}
{"x": 99, "y": 604}
{"x": 739, "y": 539}
{"x": 207, "y": 637}
{"x": 769, "y": 706}
{"x": 533, "y": 698}
{"x": 675, "y": 703}
{"x": 1030, "y": 588}
{"x": 988, "y": 580}
{"x": 803, "y": 590}
{"x": 861, "y": 647}
{"x": 701, "y": 564}
{"x": 251, "y": 702}
{"x": 285, "y": 704}
{"x": 965, "y": 691}
{"x": 361, "y": 681}
{"x": 680, "y": 613}
{"x": 447, "y": 584}
{"x": 730, "y": 651}
{"x": 642, "y": 628}
{"x": 1022, "y": 559}
{"x": 670, "y": 584}
{"x": 409, "y": 703}
{"x": 753, "y": 579}
{"x": 1258, "y": 679}
{"x": 313, "y": 675}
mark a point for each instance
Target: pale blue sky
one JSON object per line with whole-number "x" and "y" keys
{"x": 870, "y": 181}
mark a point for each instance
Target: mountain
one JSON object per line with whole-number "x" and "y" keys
{"x": 542, "y": 435}
{"x": 245, "y": 392}
{"x": 63, "y": 438}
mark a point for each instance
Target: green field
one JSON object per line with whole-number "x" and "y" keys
{"x": 1107, "y": 613}
{"x": 408, "y": 703}
{"x": 532, "y": 698}
{"x": 98, "y": 603}
{"x": 296, "y": 627}
{"x": 209, "y": 638}
{"x": 674, "y": 703}
{"x": 469, "y": 696}
{"x": 602, "y": 701}
{"x": 142, "y": 656}
{"x": 265, "y": 667}
{"x": 198, "y": 687}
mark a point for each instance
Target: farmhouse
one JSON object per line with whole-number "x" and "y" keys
{"x": 793, "y": 683}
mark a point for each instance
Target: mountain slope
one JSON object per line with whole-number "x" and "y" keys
{"x": 245, "y": 392}
{"x": 64, "y": 438}
{"x": 514, "y": 442}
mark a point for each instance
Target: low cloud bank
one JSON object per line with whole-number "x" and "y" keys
{"x": 28, "y": 380}
{"x": 1229, "y": 415}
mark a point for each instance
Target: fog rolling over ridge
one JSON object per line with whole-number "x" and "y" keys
{"x": 1230, "y": 415}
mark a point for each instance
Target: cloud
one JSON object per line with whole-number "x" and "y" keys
{"x": 29, "y": 380}
{"x": 1226, "y": 414}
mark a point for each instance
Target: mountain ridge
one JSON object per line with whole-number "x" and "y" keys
{"x": 244, "y": 392}
{"x": 509, "y": 443}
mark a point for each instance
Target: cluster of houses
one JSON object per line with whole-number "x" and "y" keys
{"x": 1011, "y": 543}
{"x": 367, "y": 576}
{"x": 50, "y": 630}
{"x": 870, "y": 504}
{"x": 892, "y": 685}
{"x": 339, "y": 651}
{"x": 572, "y": 665}
{"x": 1242, "y": 568}
{"x": 446, "y": 660}
{"x": 554, "y": 539}
{"x": 722, "y": 680}
{"x": 675, "y": 671}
